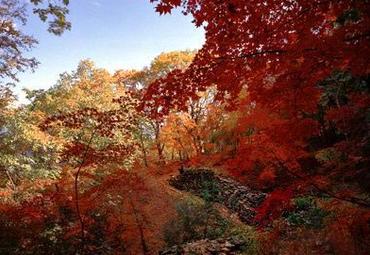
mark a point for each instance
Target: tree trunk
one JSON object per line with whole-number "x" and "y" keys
{"x": 142, "y": 145}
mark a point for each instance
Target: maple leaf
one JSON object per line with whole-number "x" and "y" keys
{"x": 163, "y": 8}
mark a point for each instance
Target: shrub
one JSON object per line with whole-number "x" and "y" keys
{"x": 306, "y": 213}
{"x": 194, "y": 220}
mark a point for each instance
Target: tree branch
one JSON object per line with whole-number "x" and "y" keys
{"x": 76, "y": 190}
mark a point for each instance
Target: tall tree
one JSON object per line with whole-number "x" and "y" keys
{"x": 139, "y": 81}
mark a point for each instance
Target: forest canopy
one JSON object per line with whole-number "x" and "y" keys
{"x": 256, "y": 143}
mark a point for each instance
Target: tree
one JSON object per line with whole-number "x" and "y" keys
{"x": 278, "y": 97}
{"x": 28, "y": 153}
{"x": 187, "y": 133}
{"x": 97, "y": 131}
{"x": 6, "y": 98}
{"x": 176, "y": 135}
{"x": 14, "y": 43}
{"x": 139, "y": 81}
{"x": 279, "y": 51}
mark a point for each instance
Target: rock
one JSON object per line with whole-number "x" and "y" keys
{"x": 236, "y": 197}
{"x": 225, "y": 246}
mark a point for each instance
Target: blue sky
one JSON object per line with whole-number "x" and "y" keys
{"x": 115, "y": 34}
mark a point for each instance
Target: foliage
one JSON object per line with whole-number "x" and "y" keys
{"x": 28, "y": 153}
{"x": 47, "y": 225}
{"x": 306, "y": 213}
{"x": 274, "y": 206}
{"x": 195, "y": 220}
{"x": 344, "y": 232}
{"x": 278, "y": 97}
{"x": 199, "y": 220}
{"x": 54, "y": 12}
{"x": 281, "y": 67}
{"x": 210, "y": 191}
{"x": 15, "y": 43}
{"x": 137, "y": 81}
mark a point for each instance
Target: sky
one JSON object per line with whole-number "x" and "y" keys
{"x": 115, "y": 34}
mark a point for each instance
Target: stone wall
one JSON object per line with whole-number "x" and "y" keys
{"x": 228, "y": 246}
{"x": 236, "y": 197}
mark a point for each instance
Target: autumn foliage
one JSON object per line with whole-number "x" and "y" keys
{"x": 277, "y": 98}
